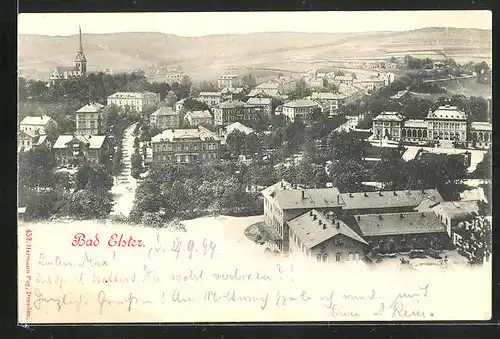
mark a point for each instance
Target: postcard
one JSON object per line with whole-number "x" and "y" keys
{"x": 254, "y": 167}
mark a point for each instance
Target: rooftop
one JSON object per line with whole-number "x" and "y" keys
{"x": 36, "y": 121}
{"x": 93, "y": 107}
{"x": 398, "y": 223}
{"x": 238, "y": 126}
{"x": 199, "y": 114}
{"x": 309, "y": 198}
{"x": 327, "y": 96}
{"x": 228, "y": 76}
{"x": 189, "y": 133}
{"x": 259, "y": 101}
{"x": 481, "y": 126}
{"x": 457, "y": 209}
{"x": 234, "y": 90}
{"x": 300, "y": 103}
{"x": 279, "y": 186}
{"x": 93, "y": 141}
{"x": 234, "y": 104}
{"x": 164, "y": 111}
{"x": 388, "y": 199}
{"x": 314, "y": 228}
{"x": 447, "y": 112}
{"x": 209, "y": 94}
{"x": 389, "y": 116}
{"x": 269, "y": 85}
{"x": 264, "y": 91}
{"x": 133, "y": 95}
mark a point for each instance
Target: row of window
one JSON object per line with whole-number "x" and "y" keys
{"x": 338, "y": 257}
{"x": 447, "y": 125}
{"x": 185, "y": 147}
{"x": 83, "y": 124}
{"x": 85, "y": 116}
{"x": 185, "y": 157}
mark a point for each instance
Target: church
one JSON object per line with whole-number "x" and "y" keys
{"x": 79, "y": 70}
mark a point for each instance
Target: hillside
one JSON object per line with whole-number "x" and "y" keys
{"x": 204, "y": 56}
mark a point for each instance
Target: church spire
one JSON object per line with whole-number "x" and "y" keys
{"x": 80, "y": 34}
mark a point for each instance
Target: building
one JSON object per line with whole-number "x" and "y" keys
{"x": 135, "y": 101}
{"x": 173, "y": 77}
{"x": 27, "y": 141}
{"x": 185, "y": 146}
{"x": 452, "y": 212}
{"x": 237, "y": 126}
{"x": 481, "y": 134}
{"x": 89, "y": 119}
{"x": 445, "y": 123}
{"x": 325, "y": 238}
{"x": 196, "y": 118}
{"x": 401, "y": 232}
{"x": 74, "y": 150}
{"x": 330, "y": 101}
{"x": 179, "y": 105}
{"x": 283, "y": 203}
{"x": 262, "y": 104}
{"x": 79, "y": 70}
{"x": 164, "y": 117}
{"x": 232, "y": 93}
{"x": 343, "y": 79}
{"x": 387, "y": 201}
{"x": 301, "y": 108}
{"x": 374, "y": 82}
{"x": 232, "y": 111}
{"x": 477, "y": 225}
{"x": 36, "y": 125}
{"x": 228, "y": 80}
{"x": 212, "y": 99}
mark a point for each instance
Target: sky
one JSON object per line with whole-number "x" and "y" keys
{"x": 207, "y": 23}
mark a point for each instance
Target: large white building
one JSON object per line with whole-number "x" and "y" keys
{"x": 302, "y": 108}
{"x": 136, "y": 101}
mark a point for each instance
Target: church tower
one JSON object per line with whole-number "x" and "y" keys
{"x": 80, "y": 60}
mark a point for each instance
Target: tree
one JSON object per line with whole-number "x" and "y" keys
{"x": 208, "y": 86}
{"x": 235, "y": 142}
{"x": 484, "y": 168}
{"x": 36, "y": 168}
{"x": 301, "y": 90}
{"x": 392, "y": 170}
{"x": 136, "y": 167}
{"x": 347, "y": 145}
{"x": 249, "y": 80}
{"x": 346, "y": 175}
{"x": 191, "y": 104}
{"x": 93, "y": 178}
{"x": 170, "y": 99}
{"x": 89, "y": 204}
{"x": 475, "y": 243}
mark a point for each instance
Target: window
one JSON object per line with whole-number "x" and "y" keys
{"x": 325, "y": 257}
{"x": 350, "y": 257}
{"x": 338, "y": 257}
{"x": 356, "y": 256}
{"x": 318, "y": 258}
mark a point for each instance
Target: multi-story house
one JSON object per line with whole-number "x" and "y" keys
{"x": 481, "y": 134}
{"x": 185, "y": 146}
{"x": 74, "y": 150}
{"x": 36, "y": 125}
{"x": 301, "y": 108}
{"x": 173, "y": 77}
{"x": 331, "y": 101}
{"x": 27, "y": 141}
{"x": 232, "y": 111}
{"x": 262, "y": 104}
{"x": 135, "y": 101}
{"x": 89, "y": 119}
{"x": 388, "y": 125}
{"x": 233, "y": 93}
{"x": 212, "y": 99}
{"x": 453, "y": 212}
{"x": 164, "y": 117}
{"x": 228, "y": 80}
{"x": 196, "y": 118}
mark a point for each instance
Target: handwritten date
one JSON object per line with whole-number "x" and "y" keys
{"x": 115, "y": 240}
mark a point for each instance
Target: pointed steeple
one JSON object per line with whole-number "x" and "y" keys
{"x": 80, "y": 34}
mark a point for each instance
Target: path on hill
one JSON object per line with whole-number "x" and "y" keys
{"x": 125, "y": 185}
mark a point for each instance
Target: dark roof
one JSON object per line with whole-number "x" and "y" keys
{"x": 399, "y": 223}
{"x": 387, "y": 199}
{"x": 312, "y": 198}
{"x": 457, "y": 209}
{"x": 314, "y": 228}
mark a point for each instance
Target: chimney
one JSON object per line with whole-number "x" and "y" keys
{"x": 365, "y": 194}
{"x": 319, "y": 222}
{"x": 350, "y": 195}
{"x": 311, "y": 213}
{"x": 303, "y": 194}
{"x": 314, "y": 216}
{"x": 380, "y": 217}
{"x": 338, "y": 199}
{"x": 422, "y": 215}
{"x": 359, "y": 218}
{"x": 380, "y": 193}
{"x": 401, "y": 216}
{"x": 324, "y": 226}
{"x": 395, "y": 193}
{"x": 338, "y": 225}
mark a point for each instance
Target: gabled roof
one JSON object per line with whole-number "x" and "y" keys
{"x": 233, "y": 90}
{"x": 133, "y": 95}
{"x": 187, "y": 133}
{"x": 199, "y": 114}
{"x": 280, "y": 185}
{"x": 399, "y": 223}
{"x": 93, "y": 107}
{"x": 389, "y": 116}
{"x": 36, "y": 121}
{"x": 265, "y": 92}
{"x": 164, "y": 111}
{"x": 314, "y": 228}
{"x": 259, "y": 101}
{"x": 309, "y": 198}
{"x": 415, "y": 123}
{"x": 93, "y": 141}
{"x": 269, "y": 85}
{"x": 327, "y": 96}
{"x": 209, "y": 94}
{"x": 388, "y": 199}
